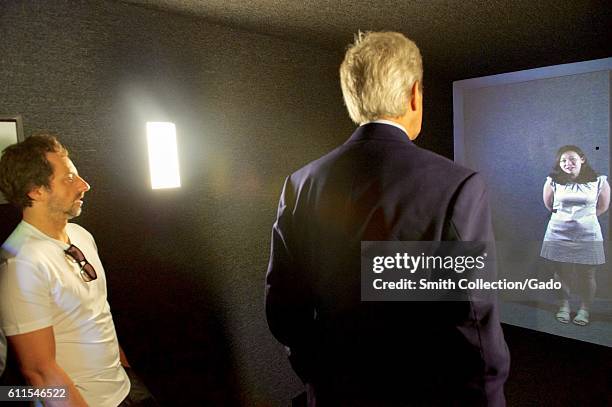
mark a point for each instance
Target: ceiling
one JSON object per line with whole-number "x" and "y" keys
{"x": 458, "y": 39}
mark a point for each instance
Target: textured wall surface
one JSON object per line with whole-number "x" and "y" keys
{"x": 186, "y": 267}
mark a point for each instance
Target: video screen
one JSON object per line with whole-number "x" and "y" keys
{"x": 541, "y": 140}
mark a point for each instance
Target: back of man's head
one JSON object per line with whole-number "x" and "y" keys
{"x": 24, "y": 166}
{"x": 377, "y": 75}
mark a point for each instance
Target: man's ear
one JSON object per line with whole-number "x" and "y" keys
{"x": 415, "y": 93}
{"x": 36, "y": 193}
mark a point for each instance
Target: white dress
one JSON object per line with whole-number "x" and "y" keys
{"x": 573, "y": 234}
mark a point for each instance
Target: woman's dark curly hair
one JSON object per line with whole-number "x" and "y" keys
{"x": 587, "y": 174}
{"x": 24, "y": 166}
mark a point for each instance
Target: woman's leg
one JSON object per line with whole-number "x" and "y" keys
{"x": 585, "y": 287}
{"x": 563, "y": 274}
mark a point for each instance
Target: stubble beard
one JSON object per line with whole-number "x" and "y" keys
{"x": 73, "y": 212}
{"x": 69, "y": 213}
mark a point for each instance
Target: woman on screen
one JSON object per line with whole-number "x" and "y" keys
{"x": 573, "y": 242}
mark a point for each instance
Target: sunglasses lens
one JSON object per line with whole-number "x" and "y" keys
{"x": 76, "y": 253}
{"x": 86, "y": 277}
{"x": 88, "y": 271}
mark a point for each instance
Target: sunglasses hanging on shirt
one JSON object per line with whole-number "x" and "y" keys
{"x": 87, "y": 271}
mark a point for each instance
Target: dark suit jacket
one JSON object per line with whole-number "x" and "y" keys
{"x": 380, "y": 186}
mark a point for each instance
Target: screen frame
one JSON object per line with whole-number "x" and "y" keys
{"x": 19, "y": 136}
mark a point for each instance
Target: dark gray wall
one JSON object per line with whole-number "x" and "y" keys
{"x": 185, "y": 267}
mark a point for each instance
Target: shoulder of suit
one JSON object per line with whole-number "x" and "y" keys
{"x": 427, "y": 160}
{"x": 440, "y": 163}
{"x": 316, "y": 164}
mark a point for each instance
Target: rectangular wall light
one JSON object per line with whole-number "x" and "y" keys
{"x": 163, "y": 155}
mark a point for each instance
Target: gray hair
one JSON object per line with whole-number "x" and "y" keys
{"x": 377, "y": 75}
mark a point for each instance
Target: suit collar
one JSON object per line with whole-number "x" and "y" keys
{"x": 378, "y": 131}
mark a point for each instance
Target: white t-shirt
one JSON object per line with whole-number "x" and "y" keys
{"x": 40, "y": 286}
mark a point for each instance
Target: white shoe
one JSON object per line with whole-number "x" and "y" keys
{"x": 582, "y": 317}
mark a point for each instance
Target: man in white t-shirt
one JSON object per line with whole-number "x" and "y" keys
{"x": 53, "y": 299}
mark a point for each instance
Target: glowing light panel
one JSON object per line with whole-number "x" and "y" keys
{"x": 163, "y": 155}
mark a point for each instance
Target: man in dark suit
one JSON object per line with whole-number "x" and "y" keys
{"x": 379, "y": 186}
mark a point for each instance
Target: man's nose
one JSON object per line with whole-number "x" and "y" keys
{"x": 84, "y": 185}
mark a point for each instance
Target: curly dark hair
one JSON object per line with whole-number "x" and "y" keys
{"x": 24, "y": 166}
{"x": 587, "y": 174}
